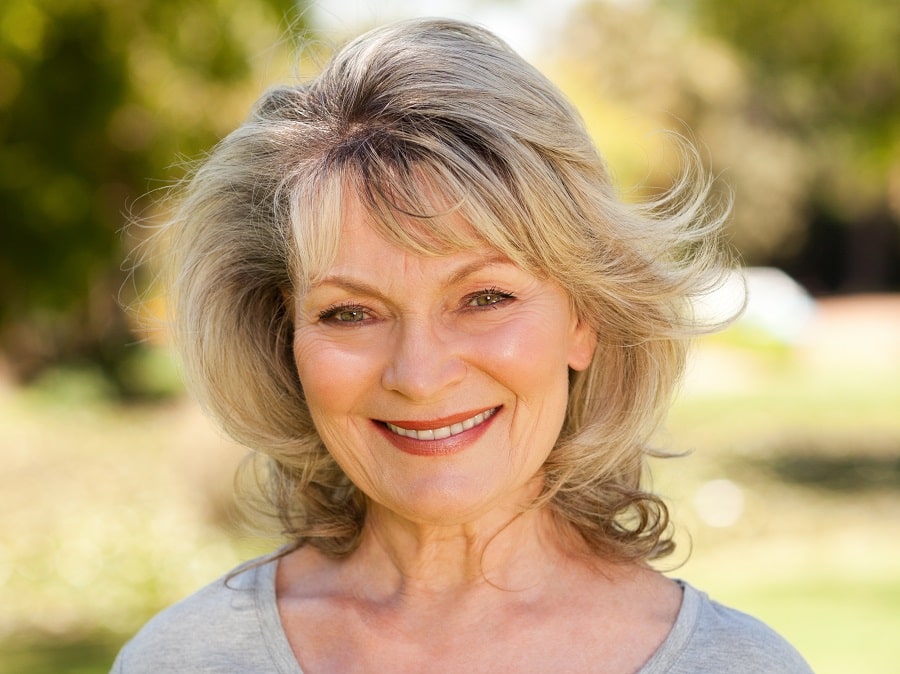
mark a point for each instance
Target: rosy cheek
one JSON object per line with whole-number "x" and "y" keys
{"x": 509, "y": 345}
{"x": 527, "y": 345}
{"x": 330, "y": 374}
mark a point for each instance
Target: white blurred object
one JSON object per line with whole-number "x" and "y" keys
{"x": 776, "y": 305}
{"x": 724, "y": 301}
{"x": 719, "y": 503}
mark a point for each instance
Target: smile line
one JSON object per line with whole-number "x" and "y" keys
{"x": 443, "y": 431}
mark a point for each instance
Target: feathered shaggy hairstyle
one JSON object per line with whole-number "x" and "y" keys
{"x": 419, "y": 120}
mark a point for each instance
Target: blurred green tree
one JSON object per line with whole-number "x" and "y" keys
{"x": 798, "y": 103}
{"x": 98, "y": 99}
{"x": 828, "y": 71}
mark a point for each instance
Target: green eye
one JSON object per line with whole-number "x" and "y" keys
{"x": 487, "y": 298}
{"x": 343, "y": 314}
{"x": 350, "y": 316}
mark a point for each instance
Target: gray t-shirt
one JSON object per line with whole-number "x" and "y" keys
{"x": 232, "y": 625}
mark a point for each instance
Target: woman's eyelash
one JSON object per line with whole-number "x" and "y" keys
{"x": 348, "y": 312}
{"x": 343, "y": 313}
{"x": 488, "y": 297}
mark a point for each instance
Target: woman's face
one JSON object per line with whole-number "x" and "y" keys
{"x": 439, "y": 384}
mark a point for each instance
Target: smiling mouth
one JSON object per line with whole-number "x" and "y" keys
{"x": 443, "y": 432}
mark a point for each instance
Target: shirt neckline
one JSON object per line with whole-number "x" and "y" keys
{"x": 274, "y": 637}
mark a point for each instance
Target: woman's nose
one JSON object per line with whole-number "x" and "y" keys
{"x": 423, "y": 361}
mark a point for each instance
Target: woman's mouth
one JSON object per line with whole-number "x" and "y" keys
{"x": 433, "y": 431}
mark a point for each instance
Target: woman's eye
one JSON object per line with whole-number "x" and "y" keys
{"x": 343, "y": 314}
{"x": 487, "y": 298}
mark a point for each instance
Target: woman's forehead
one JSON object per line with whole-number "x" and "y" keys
{"x": 358, "y": 232}
{"x": 365, "y": 259}
{"x": 434, "y": 228}
{"x": 429, "y": 222}
{"x": 413, "y": 238}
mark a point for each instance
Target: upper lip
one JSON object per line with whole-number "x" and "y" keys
{"x": 432, "y": 424}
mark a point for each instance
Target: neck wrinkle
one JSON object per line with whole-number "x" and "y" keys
{"x": 403, "y": 561}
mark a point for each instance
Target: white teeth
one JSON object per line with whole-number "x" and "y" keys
{"x": 444, "y": 431}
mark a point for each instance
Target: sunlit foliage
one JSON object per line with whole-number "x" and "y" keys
{"x": 827, "y": 72}
{"x": 98, "y": 99}
{"x": 797, "y": 104}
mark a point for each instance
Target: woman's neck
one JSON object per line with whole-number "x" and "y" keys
{"x": 503, "y": 550}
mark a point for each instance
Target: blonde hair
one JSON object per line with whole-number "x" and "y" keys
{"x": 421, "y": 120}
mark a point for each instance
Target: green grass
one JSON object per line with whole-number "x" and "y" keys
{"x": 815, "y": 453}
{"x": 48, "y": 655}
{"x": 114, "y": 512}
{"x": 840, "y": 622}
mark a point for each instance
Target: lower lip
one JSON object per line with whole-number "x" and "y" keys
{"x": 443, "y": 447}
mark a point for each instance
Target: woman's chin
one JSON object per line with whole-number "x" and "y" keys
{"x": 457, "y": 500}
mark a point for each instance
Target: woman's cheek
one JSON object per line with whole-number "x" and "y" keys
{"x": 329, "y": 370}
{"x": 529, "y": 342}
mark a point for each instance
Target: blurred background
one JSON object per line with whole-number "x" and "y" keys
{"x": 115, "y": 492}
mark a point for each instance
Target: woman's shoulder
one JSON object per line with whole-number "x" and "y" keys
{"x": 222, "y": 627}
{"x": 710, "y": 637}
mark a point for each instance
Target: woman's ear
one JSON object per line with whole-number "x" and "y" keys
{"x": 582, "y": 344}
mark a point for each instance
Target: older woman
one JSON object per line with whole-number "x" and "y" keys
{"x": 409, "y": 285}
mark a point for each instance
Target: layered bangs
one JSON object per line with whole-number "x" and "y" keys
{"x": 426, "y": 204}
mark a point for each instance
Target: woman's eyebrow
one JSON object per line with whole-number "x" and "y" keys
{"x": 477, "y": 265}
{"x": 348, "y": 283}
{"x": 362, "y": 287}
